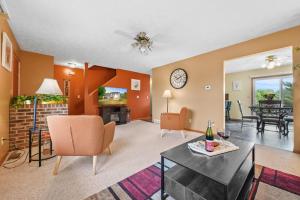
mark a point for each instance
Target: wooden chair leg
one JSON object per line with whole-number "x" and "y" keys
{"x": 182, "y": 133}
{"x": 57, "y": 165}
{"x": 94, "y": 164}
{"x": 109, "y": 150}
{"x": 162, "y": 132}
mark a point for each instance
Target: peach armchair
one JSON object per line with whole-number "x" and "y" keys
{"x": 174, "y": 121}
{"x": 80, "y": 135}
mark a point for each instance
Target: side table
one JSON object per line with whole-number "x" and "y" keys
{"x": 38, "y": 131}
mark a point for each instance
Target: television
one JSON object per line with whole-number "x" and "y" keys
{"x": 112, "y": 96}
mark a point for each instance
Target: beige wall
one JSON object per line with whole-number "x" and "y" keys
{"x": 245, "y": 94}
{"x": 5, "y": 88}
{"x": 208, "y": 69}
{"x": 34, "y": 68}
{"x": 200, "y": 72}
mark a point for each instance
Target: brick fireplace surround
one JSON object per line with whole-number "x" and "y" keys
{"x": 21, "y": 119}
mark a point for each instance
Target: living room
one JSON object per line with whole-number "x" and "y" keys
{"x": 110, "y": 109}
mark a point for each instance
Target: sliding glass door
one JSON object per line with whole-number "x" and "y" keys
{"x": 287, "y": 91}
{"x": 280, "y": 86}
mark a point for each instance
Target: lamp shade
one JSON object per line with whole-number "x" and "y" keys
{"x": 167, "y": 94}
{"x": 49, "y": 86}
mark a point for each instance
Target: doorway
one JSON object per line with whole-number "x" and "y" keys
{"x": 254, "y": 79}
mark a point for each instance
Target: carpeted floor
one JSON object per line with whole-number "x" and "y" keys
{"x": 269, "y": 184}
{"x": 137, "y": 145}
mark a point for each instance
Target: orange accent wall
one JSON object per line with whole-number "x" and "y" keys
{"x": 138, "y": 101}
{"x": 76, "y": 97}
{"x": 98, "y": 76}
{"x": 95, "y": 77}
{"x": 6, "y": 88}
{"x": 34, "y": 68}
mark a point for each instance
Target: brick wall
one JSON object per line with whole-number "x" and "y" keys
{"x": 21, "y": 119}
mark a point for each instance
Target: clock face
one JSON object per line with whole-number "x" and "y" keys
{"x": 178, "y": 78}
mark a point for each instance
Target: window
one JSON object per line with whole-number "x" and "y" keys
{"x": 287, "y": 90}
{"x": 280, "y": 86}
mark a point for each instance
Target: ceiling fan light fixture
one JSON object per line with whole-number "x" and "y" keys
{"x": 142, "y": 49}
{"x": 271, "y": 62}
{"x": 143, "y": 42}
{"x": 271, "y": 65}
{"x": 277, "y": 64}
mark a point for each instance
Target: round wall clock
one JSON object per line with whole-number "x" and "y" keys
{"x": 178, "y": 78}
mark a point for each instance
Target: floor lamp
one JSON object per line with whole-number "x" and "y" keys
{"x": 48, "y": 87}
{"x": 167, "y": 94}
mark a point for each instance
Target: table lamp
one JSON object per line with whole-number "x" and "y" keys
{"x": 167, "y": 94}
{"x": 50, "y": 87}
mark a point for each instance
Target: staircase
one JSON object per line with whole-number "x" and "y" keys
{"x": 96, "y": 76}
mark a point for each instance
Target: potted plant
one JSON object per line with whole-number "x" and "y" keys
{"x": 21, "y": 100}
{"x": 269, "y": 96}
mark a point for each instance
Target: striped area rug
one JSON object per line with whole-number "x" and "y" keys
{"x": 269, "y": 184}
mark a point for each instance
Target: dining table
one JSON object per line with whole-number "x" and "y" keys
{"x": 281, "y": 111}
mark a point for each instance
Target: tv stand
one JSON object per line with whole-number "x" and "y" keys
{"x": 117, "y": 113}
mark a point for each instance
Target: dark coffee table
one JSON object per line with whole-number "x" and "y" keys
{"x": 226, "y": 176}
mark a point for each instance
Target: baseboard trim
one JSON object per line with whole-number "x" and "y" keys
{"x": 157, "y": 121}
{"x": 236, "y": 120}
{"x": 194, "y": 130}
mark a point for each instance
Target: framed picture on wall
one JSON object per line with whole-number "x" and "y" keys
{"x": 236, "y": 85}
{"x": 7, "y": 52}
{"x": 66, "y": 88}
{"x": 135, "y": 84}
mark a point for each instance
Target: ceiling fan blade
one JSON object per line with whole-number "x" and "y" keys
{"x": 124, "y": 34}
{"x": 126, "y": 48}
{"x": 159, "y": 37}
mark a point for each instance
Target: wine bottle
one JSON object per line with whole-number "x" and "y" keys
{"x": 209, "y": 133}
{"x": 209, "y": 138}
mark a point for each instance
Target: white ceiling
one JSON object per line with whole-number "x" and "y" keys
{"x": 84, "y": 30}
{"x": 283, "y": 55}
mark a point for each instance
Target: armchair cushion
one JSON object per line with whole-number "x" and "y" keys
{"x": 80, "y": 135}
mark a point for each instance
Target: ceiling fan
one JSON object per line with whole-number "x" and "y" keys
{"x": 142, "y": 41}
{"x": 273, "y": 61}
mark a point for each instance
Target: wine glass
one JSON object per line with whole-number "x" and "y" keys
{"x": 223, "y": 135}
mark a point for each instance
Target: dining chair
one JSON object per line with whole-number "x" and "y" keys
{"x": 287, "y": 121}
{"x": 227, "y": 109}
{"x": 247, "y": 117}
{"x": 272, "y": 116}
{"x": 270, "y": 103}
